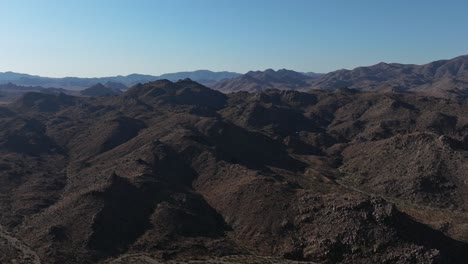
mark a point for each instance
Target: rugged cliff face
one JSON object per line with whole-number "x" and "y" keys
{"x": 173, "y": 171}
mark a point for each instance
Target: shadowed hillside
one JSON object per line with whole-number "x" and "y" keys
{"x": 177, "y": 171}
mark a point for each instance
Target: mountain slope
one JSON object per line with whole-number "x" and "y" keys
{"x": 436, "y": 78}
{"x": 177, "y": 171}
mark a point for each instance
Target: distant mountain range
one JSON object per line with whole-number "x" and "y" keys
{"x": 10, "y": 91}
{"x": 439, "y": 78}
{"x": 200, "y": 76}
{"x": 436, "y": 78}
{"x": 75, "y": 83}
{"x": 257, "y": 81}
{"x": 99, "y": 90}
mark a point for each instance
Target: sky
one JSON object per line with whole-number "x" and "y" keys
{"x": 91, "y": 38}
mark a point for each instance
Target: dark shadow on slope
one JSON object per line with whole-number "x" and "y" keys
{"x": 253, "y": 150}
{"x": 125, "y": 128}
{"x": 42, "y": 102}
{"x": 27, "y": 136}
{"x": 451, "y": 250}
{"x": 160, "y": 205}
{"x": 123, "y": 218}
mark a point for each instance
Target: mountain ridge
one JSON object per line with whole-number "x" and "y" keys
{"x": 443, "y": 78}
{"x": 257, "y": 81}
{"x": 439, "y": 78}
{"x": 100, "y": 90}
{"x": 178, "y": 171}
{"x": 77, "y": 83}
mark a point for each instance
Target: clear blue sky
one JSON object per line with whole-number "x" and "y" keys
{"x": 109, "y": 37}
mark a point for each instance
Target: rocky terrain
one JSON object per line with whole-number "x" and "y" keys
{"x": 177, "y": 172}
{"x": 443, "y": 78}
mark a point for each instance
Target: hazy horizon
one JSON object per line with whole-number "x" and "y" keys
{"x": 108, "y": 38}
{"x": 276, "y": 69}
